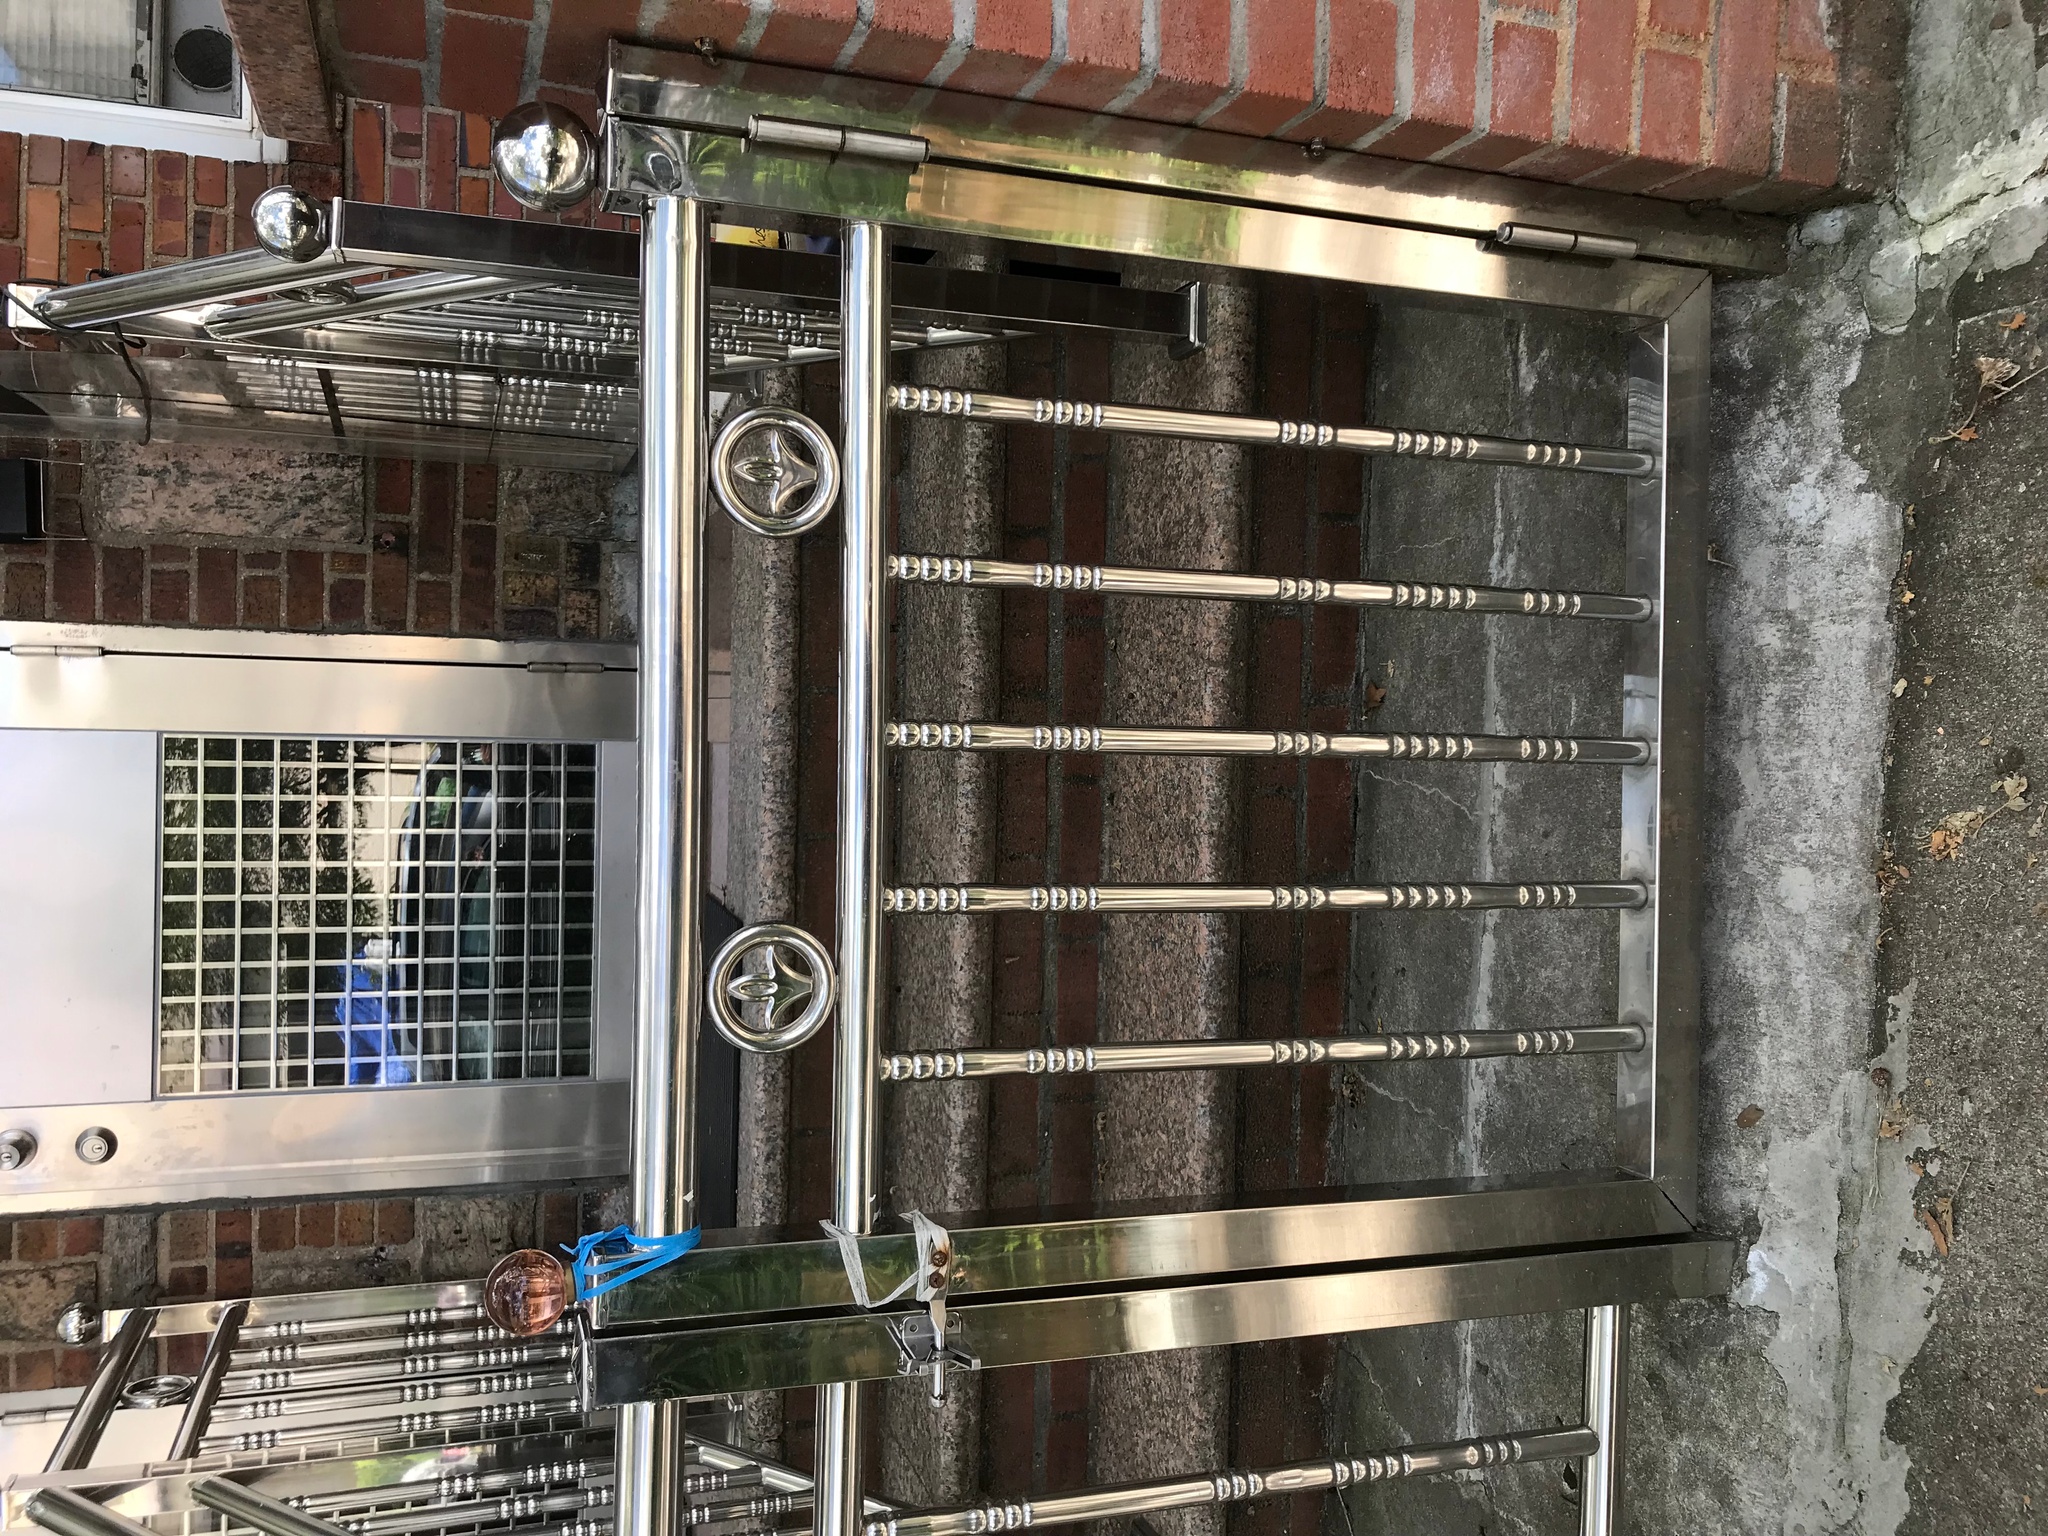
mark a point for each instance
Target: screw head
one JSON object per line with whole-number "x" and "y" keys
{"x": 96, "y": 1144}
{"x": 17, "y": 1150}
{"x": 78, "y": 1324}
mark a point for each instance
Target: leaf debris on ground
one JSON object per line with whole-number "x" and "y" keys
{"x": 1891, "y": 1125}
{"x": 1953, "y": 830}
{"x": 1940, "y": 1222}
{"x": 1997, "y": 377}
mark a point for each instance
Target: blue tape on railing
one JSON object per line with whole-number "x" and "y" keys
{"x": 604, "y": 1261}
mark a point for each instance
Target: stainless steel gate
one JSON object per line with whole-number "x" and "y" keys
{"x": 862, "y": 163}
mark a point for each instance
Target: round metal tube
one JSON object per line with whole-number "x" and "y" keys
{"x": 1213, "y": 427}
{"x": 102, "y": 1394}
{"x": 975, "y": 736}
{"x": 1183, "y": 1055}
{"x": 72, "y": 1514}
{"x": 863, "y": 648}
{"x": 1442, "y": 897}
{"x": 259, "y": 1510}
{"x": 210, "y": 280}
{"x": 1606, "y": 1382}
{"x": 1232, "y": 1487}
{"x": 668, "y": 1008}
{"x": 206, "y": 1387}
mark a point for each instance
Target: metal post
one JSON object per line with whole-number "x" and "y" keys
{"x": 213, "y": 1369}
{"x": 668, "y": 1009}
{"x": 259, "y": 1511}
{"x": 102, "y": 1395}
{"x": 864, "y": 621}
{"x": 1606, "y": 1381}
{"x": 72, "y": 1514}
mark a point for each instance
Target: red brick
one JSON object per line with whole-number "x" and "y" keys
{"x": 43, "y": 251}
{"x": 407, "y": 125}
{"x": 1194, "y": 61}
{"x": 186, "y": 1282}
{"x": 1524, "y": 97}
{"x": 262, "y": 602}
{"x": 83, "y": 1235}
{"x": 575, "y": 48}
{"x": 127, "y": 246}
{"x": 354, "y": 1224}
{"x": 1104, "y": 43}
{"x": 75, "y": 1366}
{"x": 366, "y": 152}
{"x": 348, "y": 563}
{"x": 1813, "y": 134}
{"x": 217, "y": 587}
{"x": 121, "y": 585}
{"x": 83, "y": 260}
{"x": 1280, "y": 68}
{"x": 431, "y": 610}
{"x": 376, "y": 80}
{"x": 438, "y": 163}
{"x": 404, "y": 190}
{"x": 37, "y": 1242}
{"x": 720, "y": 20}
{"x": 35, "y": 1370}
{"x": 1687, "y": 18}
{"x": 316, "y": 1225}
{"x": 482, "y": 61}
{"x": 1359, "y": 93}
{"x": 277, "y": 1228}
{"x": 167, "y": 205}
{"x": 45, "y": 159}
{"x": 233, "y": 1277}
{"x": 10, "y": 186}
{"x": 170, "y": 596}
{"x": 1745, "y": 86}
{"x": 72, "y": 599}
{"x": 480, "y": 493}
{"x": 86, "y": 180}
{"x": 390, "y": 29}
{"x": 476, "y": 141}
{"x": 394, "y": 1222}
{"x": 1806, "y": 36}
{"x": 1446, "y": 61}
{"x": 345, "y": 602}
{"x": 305, "y": 594}
{"x": 474, "y": 194}
{"x": 23, "y": 595}
{"x": 232, "y": 1233}
{"x": 1011, "y": 42}
{"x": 1671, "y": 109}
{"x": 807, "y": 32}
{"x": 128, "y": 171}
{"x": 907, "y": 38}
{"x": 209, "y": 182}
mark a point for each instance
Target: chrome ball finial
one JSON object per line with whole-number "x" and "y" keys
{"x": 78, "y": 1324}
{"x": 291, "y": 224}
{"x": 544, "y": 155}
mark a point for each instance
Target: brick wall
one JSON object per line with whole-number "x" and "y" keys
{"x": 1767, "y": 104}
{"x": 438, "y": 549}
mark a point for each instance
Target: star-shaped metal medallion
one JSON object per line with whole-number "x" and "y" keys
{"x": 767, "y": 977}
{"x": 780, "y": 468}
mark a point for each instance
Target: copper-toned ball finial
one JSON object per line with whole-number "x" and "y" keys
{"x": 526, "y": 1292}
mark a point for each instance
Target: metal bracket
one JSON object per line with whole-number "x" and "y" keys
{"x": 1197, "y": 334}
{"x": 920, "y": 1352}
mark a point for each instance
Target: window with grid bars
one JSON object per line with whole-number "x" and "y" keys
{"x": 350, "y": 913}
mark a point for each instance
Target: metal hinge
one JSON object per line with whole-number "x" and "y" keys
{"x": 830, "y": 139}
{"x": 1564, "y": 242}
{"x": 56, "y": 650}
{"x": 580, "y": 668}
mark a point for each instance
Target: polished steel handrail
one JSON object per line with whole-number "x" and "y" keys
{"x": 1233, "y": 1487}
{"x": 81, "y": 1436}
{"x": 1214, "y": 427}
{"x": 1189, "y": 1055}
{"x": 977, "y": 571}
{"x": 1474, "y": 896}
{"x": 206, "y": 1386}
{"x": 978, "y": 736}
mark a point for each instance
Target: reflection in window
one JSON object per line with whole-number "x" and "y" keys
{"x": 345, "y": 913}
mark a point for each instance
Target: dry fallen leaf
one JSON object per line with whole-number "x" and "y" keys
{"x": 1375, "y": 696}
{"x": 1905, "y": 598}
{"x": 1940, "y": 1223}
{"x": 1898, "y": 688}
{"x": 1994, "y": 371}
{"x": 1750, "y": 1116}
{"x": 2019, "y": 318}
{"x": 1927, "y": 681}
{"x": 1967, "y": 435}
{"x": 2014, "y": 787}
{"x": 1891, "y": 1125}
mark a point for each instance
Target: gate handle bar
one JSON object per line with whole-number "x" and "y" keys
{"x": 1157, "y": 740}
{"x": 1232, "y": 1487}
{"x": 1215, "y": 427}
{"x": 1184, "y": 1055}
{"x": 1474, "y": 897}
{"x": 1226, "y": 586}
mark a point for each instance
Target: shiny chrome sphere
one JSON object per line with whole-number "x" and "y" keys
{"x": 544, "y": 155}
{"x": 290, "y": 224}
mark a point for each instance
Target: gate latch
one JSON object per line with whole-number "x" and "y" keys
{"x": 922, "y": 1340}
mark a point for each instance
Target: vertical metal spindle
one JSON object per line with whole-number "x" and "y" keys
{"x": 1606, "y": 1382}
{"x": 864, "y": 619}
{"x": 667, "y": 1009}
